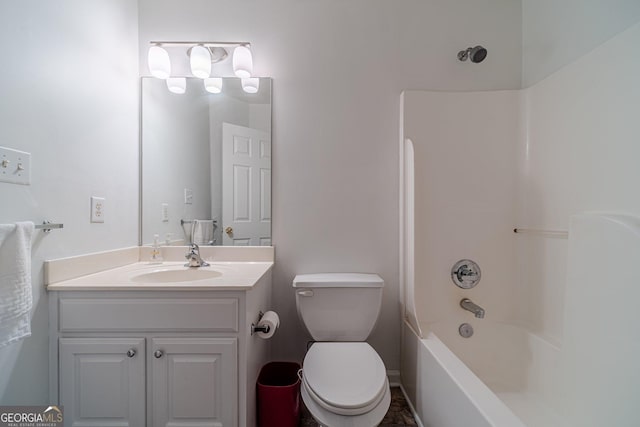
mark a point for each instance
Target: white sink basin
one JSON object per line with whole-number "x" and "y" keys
{"x": 173, "y": 275}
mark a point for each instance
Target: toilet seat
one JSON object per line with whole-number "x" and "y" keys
{"x": 345, "y": 378}
{"x": 339, "y": 410}
{"x": 329, "y": 419}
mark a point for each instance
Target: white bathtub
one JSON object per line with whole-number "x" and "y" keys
{"x": 502, "y": 376}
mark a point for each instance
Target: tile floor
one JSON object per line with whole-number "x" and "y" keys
{"x": 399, "y": 414}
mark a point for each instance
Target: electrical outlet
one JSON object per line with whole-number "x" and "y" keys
{"x": 164, "y": 212}
{"x": 97, "y": 209}
{"x": 188, "y": 196}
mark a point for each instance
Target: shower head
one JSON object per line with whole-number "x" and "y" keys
{"x": 475, "y": 54}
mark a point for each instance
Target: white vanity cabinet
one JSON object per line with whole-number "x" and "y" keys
{"x": 102, "y": 381}
{"x": 194, "y": 382}
{"x": 157, "y": 358}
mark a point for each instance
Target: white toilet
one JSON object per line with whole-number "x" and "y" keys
{"x": 344, "y": 381}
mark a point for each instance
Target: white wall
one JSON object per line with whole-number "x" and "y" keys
{"x": 69, "y": 95}
{"x": 557, "y": 32}
{"x": 338, "y": 69}
{"x": 581, "y": 154}
{"x": 175, "y": 133}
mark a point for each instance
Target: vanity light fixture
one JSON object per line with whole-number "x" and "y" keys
{"x": 213, "y": 84}
{"x": 201, "y": 57}
{"x": 159, "y": 63}
{"x": 250, "y": 84}
{"x": 242, "y": 62}
{"x": 200, "y": 61}
{"x": 177, "y": 85}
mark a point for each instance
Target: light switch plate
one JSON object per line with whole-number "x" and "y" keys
{"x": 164, "y": 212}
{"x": 15, "y": 166}
{"x": 188, "y": 196}
{"x": 97, "y": 209}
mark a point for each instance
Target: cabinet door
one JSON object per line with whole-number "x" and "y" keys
{"x": 102, "y": 381}
{"x": 194, "y": 382}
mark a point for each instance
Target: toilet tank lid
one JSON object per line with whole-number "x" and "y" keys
{"x": 338, "y": 280}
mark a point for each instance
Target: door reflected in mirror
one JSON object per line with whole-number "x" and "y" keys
{"x": 206, "y": 164}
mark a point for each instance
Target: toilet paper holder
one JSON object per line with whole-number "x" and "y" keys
{"x": 264, "y": 328}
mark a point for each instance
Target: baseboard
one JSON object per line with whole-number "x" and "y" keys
{"x": 394, "y": 378}
{"x": 411, "y": 408}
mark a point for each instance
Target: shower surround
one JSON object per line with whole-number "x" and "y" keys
{"x": 556, "y": 346}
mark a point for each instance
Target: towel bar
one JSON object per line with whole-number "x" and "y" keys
{"x": 47, "y": 226}
{"x": 190, "y": 221}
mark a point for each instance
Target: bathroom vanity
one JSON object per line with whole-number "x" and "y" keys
{"x": 139, "y": 344}
{"x": 159, "y": 345}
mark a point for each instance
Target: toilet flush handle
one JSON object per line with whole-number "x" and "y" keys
{"x": 305, "y": 293}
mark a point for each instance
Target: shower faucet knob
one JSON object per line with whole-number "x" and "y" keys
{"x": 465, "y": 274}
{"x": 464, "y": 270}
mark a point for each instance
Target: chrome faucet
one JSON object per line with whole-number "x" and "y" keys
{"x": 193, "y": 256}
{"x": 469, "y": 305}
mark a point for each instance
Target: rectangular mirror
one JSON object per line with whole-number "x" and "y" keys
{"x": 205, "y": 164}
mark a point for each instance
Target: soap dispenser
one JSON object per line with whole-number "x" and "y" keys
{"x": 156, "y": 256}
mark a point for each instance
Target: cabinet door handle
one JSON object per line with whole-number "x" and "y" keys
{"x": 131, "y": 352}
{"x": 158, "y": 354}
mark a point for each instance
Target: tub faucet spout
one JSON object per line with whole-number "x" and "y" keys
{"x": 469, "y": 305}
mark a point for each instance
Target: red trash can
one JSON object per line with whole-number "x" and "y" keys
{"x": 279, "y": 395}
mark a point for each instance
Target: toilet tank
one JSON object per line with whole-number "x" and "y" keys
{"x": 338, "y": 306}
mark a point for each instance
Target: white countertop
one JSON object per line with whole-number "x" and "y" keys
{"x": 234, "y": 276}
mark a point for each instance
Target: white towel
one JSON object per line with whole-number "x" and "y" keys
{"x": 202, "y": 231}
{"x": 15, "y": 281}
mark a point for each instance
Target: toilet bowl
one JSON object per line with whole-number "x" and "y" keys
{"x": 344, "y": 381}
{"x": 345, "y": 384}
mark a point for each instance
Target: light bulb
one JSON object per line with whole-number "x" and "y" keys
{"x": 177, "y": 85}
{"x": 242, "y": 62}
{"x": 213, "y": 84}
{"x": 251, "y": 84}
{"x": 159, "y": 62}
{"x": 200, "y": 59}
